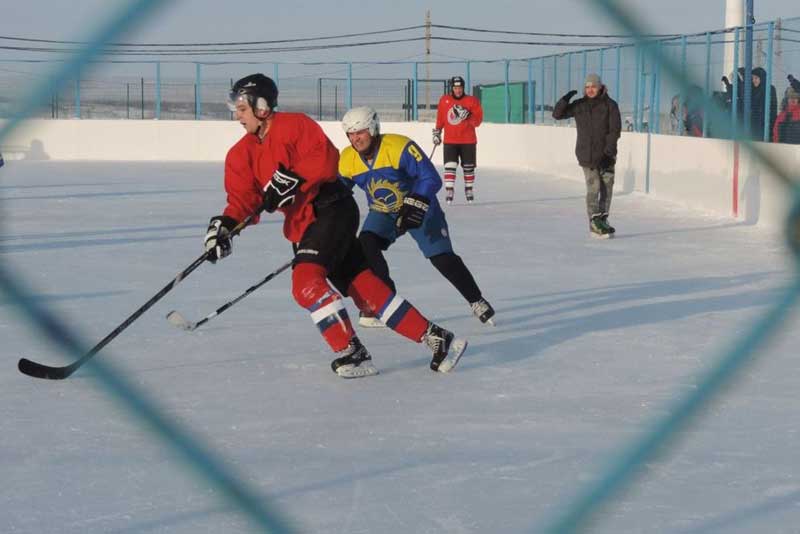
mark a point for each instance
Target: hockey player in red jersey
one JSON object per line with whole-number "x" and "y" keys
{"x": 458, "y": 114}
{"x": 286, "y": 163}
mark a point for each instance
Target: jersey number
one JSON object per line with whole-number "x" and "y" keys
{"x": 414, "y": 152}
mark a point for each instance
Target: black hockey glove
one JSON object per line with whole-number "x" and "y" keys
{"x": 569, "y": 95}
{"x": 412, "y": 212}
{"x": 437, "y": 136}
{"x": 606, "y": 163}
{"x": 218, "y": 237}
{"x": 281, "y": 189}
{"x": 461, "y": 112}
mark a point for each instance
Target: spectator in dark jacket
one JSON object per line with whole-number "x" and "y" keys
{"x": 787, "y": 124}
{"x": 599, "y": 125}
{"x": 759, "y": 117}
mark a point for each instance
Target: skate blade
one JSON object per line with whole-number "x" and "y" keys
{"x": 490, "y": 321}
{"x": 457, "y": 348}
{"x": 601, "y": 236}
{"x": 370, "y": 322}
{"x": 176, "y": 319}
{"x": 357, "y": 371}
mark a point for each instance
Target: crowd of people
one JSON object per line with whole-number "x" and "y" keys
{"x": 781, "y": 121}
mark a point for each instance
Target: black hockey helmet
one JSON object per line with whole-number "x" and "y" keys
{"x": 456, "y": 81}
{"x": 258, "y": 90}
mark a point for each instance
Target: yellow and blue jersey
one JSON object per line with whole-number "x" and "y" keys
{"x": 400, "y": 167}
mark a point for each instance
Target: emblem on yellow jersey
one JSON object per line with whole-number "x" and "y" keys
{"x": 386, "y": 196}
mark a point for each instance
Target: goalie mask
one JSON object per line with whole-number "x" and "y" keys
{"x": 259, "y": 91}
{"x": 362, "y": 118}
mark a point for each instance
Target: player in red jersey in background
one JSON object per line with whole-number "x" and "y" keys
{"x": 286, "y": 163}
{"x": 458, "y": 114}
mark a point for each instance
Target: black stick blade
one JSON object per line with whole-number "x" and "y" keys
{"x": 38, "y": 370}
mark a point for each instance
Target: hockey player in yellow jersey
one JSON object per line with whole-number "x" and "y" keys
{"x": 401, "y": 183}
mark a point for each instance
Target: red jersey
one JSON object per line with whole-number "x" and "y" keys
{"x": 456, "y": 130}
{"x": 298, "y": 143}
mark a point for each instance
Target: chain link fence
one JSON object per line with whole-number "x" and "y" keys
{"x": 511, "y": 91}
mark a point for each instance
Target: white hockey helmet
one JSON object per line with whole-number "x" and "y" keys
{"x": 362, "y": 118}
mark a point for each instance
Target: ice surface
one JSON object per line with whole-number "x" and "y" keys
{"x": 595, "y": 339}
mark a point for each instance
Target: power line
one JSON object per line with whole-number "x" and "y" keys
{"x": 212, "y": 51}
{"x": 233, "y": 43}
{"x": 545, "y": 34}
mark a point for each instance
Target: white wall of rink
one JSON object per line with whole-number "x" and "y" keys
{"x": 699, "y": 173}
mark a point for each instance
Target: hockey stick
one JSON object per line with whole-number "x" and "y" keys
{"x": 176, "y": 319}
{"x": 38, "y": 370}
{"x": 432, "y": 152}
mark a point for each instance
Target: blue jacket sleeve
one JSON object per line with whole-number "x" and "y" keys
{"x": 420, "y": 169}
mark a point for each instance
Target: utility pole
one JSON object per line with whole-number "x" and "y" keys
{"x": 778, "y": 47}
{"x": 427, "y": 60}
{"x": 734, "y": 17}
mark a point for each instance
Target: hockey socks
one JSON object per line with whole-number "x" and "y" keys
{"x": 371, "y": 294}
{"x": 450, "y": 168}
{"x": 312, "y": 291}
{"x": 469, "y": 182}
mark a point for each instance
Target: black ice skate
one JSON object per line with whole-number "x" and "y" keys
{"x": 450, "y": 193}
{"x": 483, "y": 311}
{"x": 470, "y": 195}
{"x": 597, "y": 228}
{"x": 447, "y": 350}
{"x": 611, "y": 229}
{"x": 354, "y": 361}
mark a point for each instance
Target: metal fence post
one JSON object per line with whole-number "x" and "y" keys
{"x": 349, "y": 95}
{"x": 651, "y": 120}
{"x": 768, "y": 85}
{"x": 657, "y": 76}
{"x": 643, "y": 88}
{"x": 684, "y": 86}
{"x": 636, "y": 82}
{"x": 541, "y": 88}
{"x": 531, "y": 95}
{"x": 735, "y": 82}
{"x": 507, "y": 96}
{"x": 619, "y": 74}
{"x": 414, "y": 95}
{"x": 585, "y": 67}
{"x": 569, "y": 71}
{"x": 707, "y": 91}
{"x": 197, "y": 104}
{"x": 555, "y": 79}
{"x": 158, "y": 90}
{"x": 78, "y": 95}
{"x": 601, "y": 63}
{"x": 468, "y": 81}
{"x": 141, "y": 94}
{"x": 748, "y": 69}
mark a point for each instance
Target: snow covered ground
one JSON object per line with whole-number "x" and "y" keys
{"x": 595, "y": 340}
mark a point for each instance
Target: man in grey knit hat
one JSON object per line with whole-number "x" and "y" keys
{"x": 599, "y": 125}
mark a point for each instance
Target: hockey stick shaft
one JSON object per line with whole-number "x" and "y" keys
{"x": 38, "y": 370}
{"x": 249, "y": 290}
{"x": 433, "y": 152}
